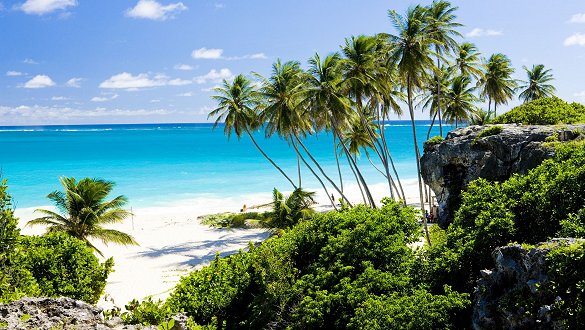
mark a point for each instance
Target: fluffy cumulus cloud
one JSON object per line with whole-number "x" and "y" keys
{"x": 578, "y": 18}
{"x": 13, "y": 73}
{"x": 128, "y": 81}
{"x": 577, "y": 39}
{"x": 42, "y": 7}
{"x": 208, "y": 54}
{"x": 29, "y": 61}
{"x": 150, "y": 9}
{"x": 74, "y": 82}
{"x": 39, "y": 81}
{"x": 478, "y": 32}
{"x": 214, "y": 76}
{"x": 217, "y": 54}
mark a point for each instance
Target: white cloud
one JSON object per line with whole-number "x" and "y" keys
{"x": 204, "y": 110}
{"x": 578, "y": 18}
{"x": 155, "y": 101}
{"x": 13, "y": 73}
{"x": 39, "y": 81}
{"x": 577, "y": 39}
{"x": 217, "y": 54}
{"x": 210, "y": 89}
{"x": 477, "y": 32}
{"x": 187, "y": 94}
{"x": 74, "y": 82}
{"x": 104, "y": 98}
{"x": 127, "y": 81}
{"x": 184, "y": 67}
{"x": 42, "y": 7}
{"x": 208, "y": 54}
{"x": 219, "y": 6}
{"x": 60, "y": 98}
{"x": 214, "y": 76}
{"x": 179, "y": 82}
{"x": 29, "y": 61}
{"x": 150, "y": 9}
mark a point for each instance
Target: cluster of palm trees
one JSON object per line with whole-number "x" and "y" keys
{"x": 349, "y": 94}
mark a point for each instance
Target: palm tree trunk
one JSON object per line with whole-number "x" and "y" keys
{"x": 348, "y": 155}
{"x": 431, "y": 128}
{"x": 299, "y": 171}
{"x": 316, "y": 176}
{"x": 495, "y": 110}
{"x": 337, "y": 161}
{"x": 269, "y": 159}
{"x": 489, "y": 105}
{"x": 439, "y": 92}
{"x": 417, "y": 154}
{"x": 389, "y": 156}
{"x": 321, "y": 169}
{"x": 358, "y": 182}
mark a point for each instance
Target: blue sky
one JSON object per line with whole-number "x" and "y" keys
{"x": 131, "y": 61}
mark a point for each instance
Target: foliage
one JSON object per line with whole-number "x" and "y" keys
{"x": 84, "y": 212}
{"x": 432, "y": 141}
{"x": 324, "y": 273}
{"x": 536, "y": 86}
{"x": 544, "y": 111}
{"x": 492, "y": 130}
{"x": 233, "y": 220}
{"x": 526, "y": 209}
{"x": 288, "y": 211}
{"x": 480, "y": 117}
{"x": 64, "y": 266}
{"x": 147, "y": 312}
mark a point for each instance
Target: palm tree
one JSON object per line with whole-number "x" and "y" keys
{"x": 288, "y": 211}
{"x": 460, "y": 100}
{"x": 83, "y": 212}
{"x": 536, "y": 87}
{"x": 467, "y": 61}
{"x": 480, "y": 117}
{"x": 237, "y": 108}
{"x": 412, "y": 57}
{"x": 497, "y": 83}
{"x": 430, "y": 99}
{"x": 442, "y": 28}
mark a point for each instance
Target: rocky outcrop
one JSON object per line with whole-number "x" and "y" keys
{"x": 465, "y": 155}
{"x": 508, "y": 296}
{"x": 65, "y": 313}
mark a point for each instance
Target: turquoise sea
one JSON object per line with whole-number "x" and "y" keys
{"x": 159, "y": 164}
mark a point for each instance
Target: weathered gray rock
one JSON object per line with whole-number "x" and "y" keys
{"x": 518, "y": 274}
{"x": 449, "y": 166}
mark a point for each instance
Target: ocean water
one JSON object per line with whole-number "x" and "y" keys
{"x": 162, "y": 164}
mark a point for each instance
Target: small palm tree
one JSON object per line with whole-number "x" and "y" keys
{"x": 467, "y": 61}
{"x": 480, "y": 117}
{"x": 288, "y": 211}
{"x": 84, "y": 210}
{"x": 536, "y": 86}
{"x": 460, "y": 100}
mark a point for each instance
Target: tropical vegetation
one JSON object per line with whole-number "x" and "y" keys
{"x": 84, "y": 210}
{"x": 544, "y": 111}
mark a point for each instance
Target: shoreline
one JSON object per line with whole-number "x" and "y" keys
{"x": 173, "y": 242}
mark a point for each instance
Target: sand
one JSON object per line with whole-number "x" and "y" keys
{"x": 173, "y": 243}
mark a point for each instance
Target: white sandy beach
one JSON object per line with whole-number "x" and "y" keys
{"x": 173, "y": 242}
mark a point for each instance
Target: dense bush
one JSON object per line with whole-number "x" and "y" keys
{"x": 432, "y": 141}
{"x": 147, "y": 312}
{"x": 64, "y": 266}
{"x": 526, "y": 209}
{"x": 544, "y": 111}
{"x": 328, "y": 273}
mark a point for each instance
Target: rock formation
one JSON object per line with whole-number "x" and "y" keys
{"x": 517, "y": 277}
{"x": 464, "y": 155}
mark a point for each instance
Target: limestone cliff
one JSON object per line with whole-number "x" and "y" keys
{"x": 466, "y": 154}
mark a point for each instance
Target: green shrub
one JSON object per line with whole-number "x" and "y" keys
{"x": 65, "y": 266}
{"x": 544, "y": 111}
{"x": 233, "y": 220}
{"x": 147, "y": 312}
{"x": 492, "y": 130}
{"x": 318, "y": 275}
{"x": 433, "y": 141}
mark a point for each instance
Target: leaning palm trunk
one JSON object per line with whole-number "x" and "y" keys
{"x": 417, "y": 154}
{"x": 389, "y": 158}
{"x": 269, "y": 159}
{"x": 358, "y": 182}
{"x": 431, "y": 128}
{"x": 321, "y": 170}
{"x": 337, "y": 161}
{"x": 315, "y": 174}
{"x": 438, "y": 93}
{"x": 353, "y": 162}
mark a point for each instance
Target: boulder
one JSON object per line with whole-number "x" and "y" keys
{"x": 449, "y": 166}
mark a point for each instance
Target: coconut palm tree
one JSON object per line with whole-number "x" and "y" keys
{"x": 237, "y": 109}
{"x": 460, "y": 100}
{"x": 441, "y": 20}
{"x": 480, "y": 117}
{"x": 288, "y": 211}
{"x": 82, "y": 211}
{"x": 496, "y": 82}
{"x": 430, "y": 98}
{"x": 536, "y": 86}
{"x": 468, "y": 61}
{"x": 413, "y": 58}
